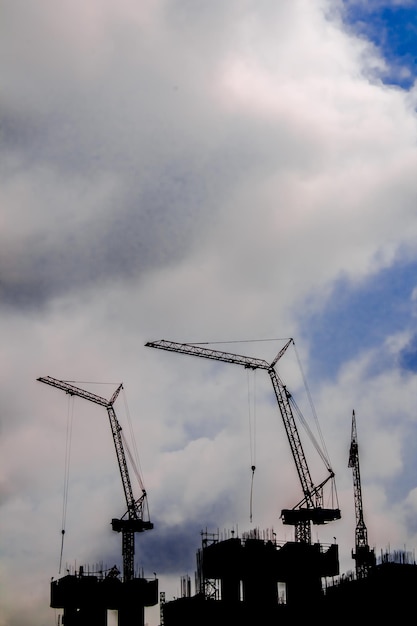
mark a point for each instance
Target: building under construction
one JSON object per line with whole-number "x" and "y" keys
{"x": 86, "y": 597}
{"x": 259, "y": 582}
{"x": 251, "y": 579}
{"x": 254, "y": 580}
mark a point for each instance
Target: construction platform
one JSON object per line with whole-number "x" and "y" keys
{"x": 86, "y": 598}
{"x": 244, "y": 576}
{"x": 253, "y": 581}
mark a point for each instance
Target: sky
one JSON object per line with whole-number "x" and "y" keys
{"x": 231, "y": 174}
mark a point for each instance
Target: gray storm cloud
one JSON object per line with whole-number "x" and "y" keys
{"x": 194, "y": 172}
{"x": 129, "y": 140}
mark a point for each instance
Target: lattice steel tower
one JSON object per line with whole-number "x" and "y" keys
{"x": 364, "y": 557}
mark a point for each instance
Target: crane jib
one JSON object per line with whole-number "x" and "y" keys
{"x": 216, "y": 355}
{"x": 72, "y": 390}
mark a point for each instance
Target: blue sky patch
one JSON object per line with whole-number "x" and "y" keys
{"x": 358, "y": 318}
{"x": 393, "y": 29}
{"x": 408, "y": 357}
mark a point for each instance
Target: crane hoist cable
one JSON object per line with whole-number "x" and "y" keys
{"x": 252, "y": 434}
{"x": 321, "y": 449}
{"x": 132, "y": 462}
{"x": 135, "y": 459}
{"x": 313, "y": 410}
{"x": 134, "y": 456}
{"x": 308, "y": 430}
{"x": 251, "y": 494}
{"x": 68, "y": 442}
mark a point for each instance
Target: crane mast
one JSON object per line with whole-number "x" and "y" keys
{"x": 364, "y": 557}
{"x": 310, "y": 509}
{"x": 134, "y": 520}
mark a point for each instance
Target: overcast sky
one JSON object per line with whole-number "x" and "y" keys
{"x": 202, "y": 172}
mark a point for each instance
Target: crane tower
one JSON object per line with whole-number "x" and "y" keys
{"x": 364, "y": 557}
{"x": 310, "y": 509}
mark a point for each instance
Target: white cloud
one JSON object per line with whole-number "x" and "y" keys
{"x": 194, "y": 175}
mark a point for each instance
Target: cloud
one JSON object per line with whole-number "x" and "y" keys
{"x": 219, "y": 173}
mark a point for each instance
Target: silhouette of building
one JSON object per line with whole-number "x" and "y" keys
{"x": 253, "y": 580}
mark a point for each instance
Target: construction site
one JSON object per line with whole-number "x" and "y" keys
{"x": 252, "y": 578}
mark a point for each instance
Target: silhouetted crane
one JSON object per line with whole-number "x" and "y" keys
{"x": 136, "y": 518}
{"x": 364, "y": 557}
{"x": 310, "y": 509}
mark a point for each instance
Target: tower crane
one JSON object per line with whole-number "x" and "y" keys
{"x": 363, "y": 555}
{"x": 136, "y": 518}
{"x": 310, "y": 509}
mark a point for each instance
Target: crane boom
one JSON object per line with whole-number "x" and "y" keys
{"x": 207, "y": 353}
{"x": 135, "y": 515}
{"x": 72, "y": 390}
{"x": 310, "y": 508}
